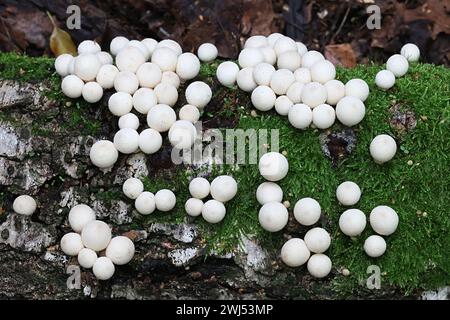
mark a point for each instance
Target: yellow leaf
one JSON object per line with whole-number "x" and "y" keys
{"x": 60, "y": 40}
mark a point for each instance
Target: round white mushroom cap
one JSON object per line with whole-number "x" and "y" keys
{"x": 269, "y": 192}
{"x": 193, "y": 207}
{"x": 385, "y": 79}
{"x": 188, "y": 66}
{"x": 182, "y": 134}
{"x": 256, "y": 42}
{"x": 269, "y": 54}
{"x": 88, "y": 46}
{"x": 86, "y": 66}
{"x": 273, "y": 166}
{"x": 190, "y": 113}
{"x": 198, "y": 94}
{"x": 357, "y": 88}
{"x": 245, "y": 80}
{"x": 284, "y": 44}
{"x": 307, "y": 211}
{"x": 273, "y": 216}
{"x": 120, "y": 103}
{"x": 120, "y": 250}
{"x": 319, "y": 265}
{"x": 227, "y": 73}
{"x": 294, "y": 92}
{"x": 295, "y": 253}
{"x": 62, "y": 63}
{"x": 149, "y": 75}
{"x": 129, "y": 120}
{"x": 126, "y": 81}
{"x": 165, "y": 58}
{"x": 335, "y": 91}
{"x": 384, "y": 220}
{"x": 126, "y": 140}
{"x": 71, "y": 244}
{"x": 250, "y": 57}
{"x": 383, "y": 148}
{"x": 129, "y": 59}
{"x": 103, "y": 154}
{"x": 87, "y": 258}
{"x": 171, "y": 78}
{"x": 150, "y": 44}
{"x": 263, "y": 98}
{"x": 142, "y": 48}
{"x": 106, "y": 75}
{"x": 323, "y": 71}
{"x": 348, "y": 193}
{"x": 300, "y": 116}
{"x": 273, "y": 38}
{"x": 281, "y": 80}
{"x": 352, "y": 222}
{"x": 317, "y": 240}
{"x": 411, "y": 52}
{"x": 150, "y": 141}
{"x": 375, "y": 246}
{"x": 398, "y": 65}
{"x": 290, "y": 60}
{"x": 132, "y": 188}
{"x": 165, "y": 200}
{"x": 199, "y": 188}
{"x": 323, "y": 116}
{"x": 314, "y": 94}
{"x": 262, "y": 73}
{"x": 103, "y": 268}
{"x": 223, "y": 188}
{"x": 24, "y": 205}
{"x": 303, "y": 75}
{"x": 117, "y": 44}
{"x": 301, "y": 48}
{"x": 105, "y": 58}
{"x": 96, "y": 235}
{"x": 166, "y": 93}
{"x": 171, "y": 44}
{"x": 207, "y": 52}
{"x": 311, "y": 57}
{"x": 72, "y": 86}
{"x": 350, "y": 111}
{"x": 213, "y": 211}
{"x": 92, "y": 92}
{"x": 161, "y": 117}
{"x": 79, "y": 216}
{"x": 145, "y": 203}
{"x": 282, "y": 105}
{"x": 144, "y": 99}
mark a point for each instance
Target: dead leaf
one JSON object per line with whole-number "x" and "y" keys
{"x": 60, "y": 41}
{"x": 341, "y": 55}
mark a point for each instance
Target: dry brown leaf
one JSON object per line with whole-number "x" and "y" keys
{"x": 341, "y": 55}
{"x": 60, "y": 41}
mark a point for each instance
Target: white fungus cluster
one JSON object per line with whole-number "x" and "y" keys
{"x": 352, "y": 222}
{"x": 222, "y": 189}
{"x": 145, "y": 76}
{"x": 90, "y": 238}
{"x": 300, "y": 84}
{"x": 397, "y": 66}
{"x": 146, "y": 202}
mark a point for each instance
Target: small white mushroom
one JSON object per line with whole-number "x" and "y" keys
{"x": 411, "y": 52}
{"x": 314, "y": 94}
{"x": 161, "y": 117}
{"x": 227, "y": 73}
{"x": 307, "y": 211}
{"x": 273, "y": 166}
{"x": 96, "y": 235}
{"x": 182, "y": 134}
{"x": 352, "y": 222}
{"x": 375, "y": 246}
{"x": 92, "y": 92}
{"x": 335, "y": 91}
{"x": 126, "y": 81}
{"x": 166, "y": 93}
{"x": 79, "y": 216}
{"x": 302, "y": 75}
{"x": 269, "y": 192}
{"x": 323, "y": 116}
{"x": 103, "y": 154}
{"x": 273, "y": 216}
{"x": 132, "y": 188}
{"x": 319, "y": 265}
{"x": 282, "y": 105}
{"x": 311, "y": 57}
{"x": 171, "y": 44}
{"x": 223, "y": 188}
{"x": 198, "y": 94}
{"x": 193, "y": 207}
{"x": 120, "y": 250}
{"x": 384, "y": 220}
{"x": 317, "y": 240}
{"x": 171, "y": 78}
{"x": 323, "y": 71}
{"x": 72, "y": 86}
{"x": 281, "y": 80}
{"x": 105, "y": 58}
{"x": 62, "y": 63}
{"x": 129, "y": 120}
{"x": 257, "y": 41}
{"x": 290, "y": 60}
{"x": 129, "y": 59}
{"x": 188, "y": 66}
{"x": 150, "y": 44}
{"x": 385, "y": 79}
{"x": 103, "y": 268}
{"x": 207, "y": 52}
{"x": 142, "y": 48}
{"x": 24, "y": 205}
{"x": 199, "y": 188}
{"x": 294, "y": 92}
{"x": 71, "y": 244}
{"x": 213, "y": 211}
{"x": 273, "y": 38}
{"x": 144, "y": 99}
{"x": 120, "y": 103}
{"x": 269, "y": 54}
{"x": 357, "y": 88}
{"x": 245, "y": 80}
{"x": 126, "y": 140}
{"x": 250, "y": 57}
{"x": 284, "y": 44}
{"x": 294, "y": 253}
{"x": 263, "y": 98}
{"x": 262, "y": 73}
{"x": 300, "y": 116}
{"x": 87, "y": 258}
{"x": 350, "y": 111}
{"x": 383, "y": 148}
{"x": 348, "y": 193}
{"x": 106, "y": 75}
{"x": 88, "y": 46}
{"x": 150, "y": 141}
{"x": 190, "y": 113}
{"x": 149, "y": 75}
{"x": 145, "y": 203}
{"x": 398, "y": 65}
{"x": 165, "y": 58}
{"x": 86, "y": 66}
{"x": 301, "y": 48}
{"x": 165, "y": 200}
{"x": 117, "y": 44}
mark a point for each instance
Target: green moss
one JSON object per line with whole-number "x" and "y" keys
{"x": 26, "y": 69}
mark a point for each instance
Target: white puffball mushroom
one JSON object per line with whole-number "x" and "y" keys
{"x": 171, "y": 44}
{"x": 398, "y": 65}
{"x": 190, "y": 113}
{"x": 350, "y": 111}
{"x": 227, "y": 73}
{"x": 96, "y": 235}
{"x": 120, "y": 250}
{"x": 269, "y": 54}
{"x": 273, "y": 216}
{"x": 263, "y": 98}
{"x": 165, "y": 58}
{"x": 317, "y": 240}
{"x": 104, "y": 58}
{"x": 294, "y": 253}
{"x": 79, "y": 216}
{"x": 150, "y": 44}
{"x": 166, "y": 93}
{"x": 72, "y": 86}
{"x": 335, "y": 91}
{"x": 352, "y": 222}
{"x": 262, "y": 73}
{"x": 120, "y": 103}
{"x": 250, "y": 57}
{"x": 294, "y": 92}
{"x": 103, "y": 268}
{"x": 207, "y": 52}
{"x": 348, "y": 193}
{"x": 269, "y": 192}
{"x": 256, "y": 42}
{"x": 142, "y": 48}
{"x": 375, "y": 246}
{"x": 145, "y": 203}
{"x": 282, "y": 105}
{"x": 24, "y": 205}
{"x": 132, "y": 188}
{"x": 129, "y": 120}
{"x": 383, "y": 148}
{"x": 182, "y": 134}
{"x": 149, "y": 75}
{"x": 71, "y": 244}
{"x": 213, "y": 211}
{"x": 103, "y": 154}
{"x": 357, "y": 88}
{"x": 92, "y": 92}
{"x": 126, "y": 140}
{"x": 300, "y": 116}
{"x": 314, "y": 94}
{"x": 384, "y": 220}
{"x": 165, "y": 200}
{"x": 385, "y": 79}
{"x": 273, "y": 166}
{"x": 193, "y": 207}
{"x": 319, "y": 265}
{"x": 273, "y": 38}
{"x": 301, "y": 48}
{"x": 311, "y": 57}
{"x": 284, "y": 44}
{"x": 188, "y": 66}
{"x": 323, "y": 116}
{"x": 198, "y": 94}
{"x": 129, "y": 59}
{"x": 281, "y": 80}
{"x": 307, "y": 211}
{"x": 161, "y": 117}
{"x": 62, "y": 63}
{"x": 199, "y": 188}
{"x": 117, "y": 44}
{"x": 106, "y": 75}
{"x": 126, "y": 81}
{"x": 88, "y": 46}
{"x": 171, "y": 77}
{"x": 150, "y": 141}
{"x": 323, "y": 71}
{"x": 302, "y": 75}
{"x": 411, "y": 52}
{"x": 87, "y": 258}
{"x": 223, "y": 188}
{"x": 144, "y": 99}
{"x": 245, "y": 80}
{"x": 290, "y": 60}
